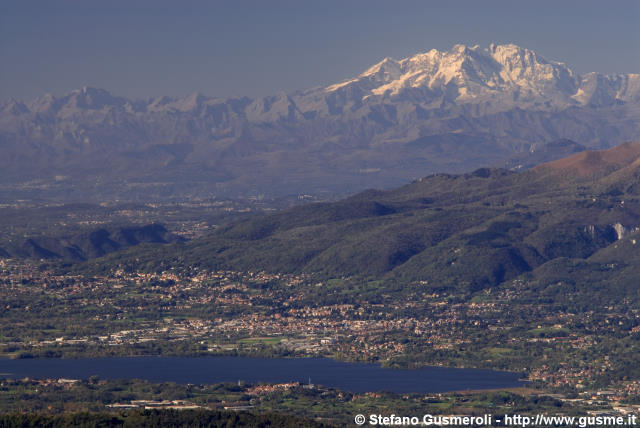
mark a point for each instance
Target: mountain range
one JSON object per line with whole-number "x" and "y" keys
{"x": 398, "y": 120}
{"x": 571, "y": 225}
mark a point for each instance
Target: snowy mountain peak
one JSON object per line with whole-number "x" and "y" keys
{"x": 504, "y": 74}
{"x": 386, "y": 66}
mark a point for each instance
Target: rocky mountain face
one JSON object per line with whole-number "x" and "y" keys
{"x": 399, "y": 120}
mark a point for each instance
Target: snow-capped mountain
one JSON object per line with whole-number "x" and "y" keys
{"x": 504, "y": 75}
{"x": 398, "y": 120}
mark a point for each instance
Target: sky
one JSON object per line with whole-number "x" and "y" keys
{"x": 143, "y": 48}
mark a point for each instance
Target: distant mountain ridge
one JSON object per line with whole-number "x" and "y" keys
{"x": 399, "y": 120}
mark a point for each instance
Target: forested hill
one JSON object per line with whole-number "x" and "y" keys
{"x": 573, "y": 221}
{"x": 84, "y": 244}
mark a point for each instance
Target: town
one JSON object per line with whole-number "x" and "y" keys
{"x": 50, "y": 314}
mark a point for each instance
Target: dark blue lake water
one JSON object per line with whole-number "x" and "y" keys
{"x": 356, "y": 377}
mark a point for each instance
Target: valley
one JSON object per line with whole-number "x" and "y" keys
{"x": 533, "y": 272}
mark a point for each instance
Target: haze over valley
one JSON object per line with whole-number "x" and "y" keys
{"x": 438, "y": 111}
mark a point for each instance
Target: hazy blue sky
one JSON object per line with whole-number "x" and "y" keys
{"x": 225, "y": 48}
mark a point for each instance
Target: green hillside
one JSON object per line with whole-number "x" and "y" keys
{"x": 568, "y": 221}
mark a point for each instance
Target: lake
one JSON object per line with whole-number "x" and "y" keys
{"x": 356, "y": 377}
